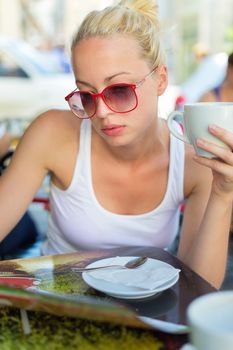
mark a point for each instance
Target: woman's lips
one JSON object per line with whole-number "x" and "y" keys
{"x": 113, "y": 130}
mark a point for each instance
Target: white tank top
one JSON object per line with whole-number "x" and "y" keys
{"x": 78, "y": 221}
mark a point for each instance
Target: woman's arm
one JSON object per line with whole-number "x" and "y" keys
{"x": 205, "y": 234}
{"x": 49, "y": 145}
{"x": 23, "y": 176}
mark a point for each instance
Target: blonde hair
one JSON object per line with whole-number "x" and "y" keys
{"x": 136, "y": 18}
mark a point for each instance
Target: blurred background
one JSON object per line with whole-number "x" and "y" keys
{"x": 35, "y": 37}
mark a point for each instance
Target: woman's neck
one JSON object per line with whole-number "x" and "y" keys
{"x": 153, "y": 142}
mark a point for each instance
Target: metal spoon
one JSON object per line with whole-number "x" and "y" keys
{"x": 131, "y": 264}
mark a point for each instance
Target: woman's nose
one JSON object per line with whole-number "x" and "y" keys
{"x": 102, "y": 109}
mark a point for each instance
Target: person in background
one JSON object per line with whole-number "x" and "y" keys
{"x": 56, "y": 55}
{"x": 5, "y": 140}
{"x": 117, "y": 175}
{"x": 224, "y": 91}
{"x": 200, "y": 51}
{"x": 210, "y": 71}
{"x": 60, "y": 57}
{"x": 25, "y": 232}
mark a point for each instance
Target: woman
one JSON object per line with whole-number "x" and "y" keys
{"x": 223, "y": 92}
{"x": 118, "y": 177}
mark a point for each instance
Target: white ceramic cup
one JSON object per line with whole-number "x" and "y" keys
{"x": 210, "y": 318}
{"x": 195, "y": 120}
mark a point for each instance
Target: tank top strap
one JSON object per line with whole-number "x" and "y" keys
{"x": 82, "y": 166}
{"x": 85, "y": 141}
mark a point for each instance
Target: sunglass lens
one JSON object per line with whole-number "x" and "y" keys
{"x": 120, "y": 98}
{"x": 88, "y": 103}
{"x": 82, "y": 104}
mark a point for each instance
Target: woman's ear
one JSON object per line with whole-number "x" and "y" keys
{"x": 162, "y": 79}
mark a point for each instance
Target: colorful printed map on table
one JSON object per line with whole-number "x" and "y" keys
{"x": 48, "y": 284}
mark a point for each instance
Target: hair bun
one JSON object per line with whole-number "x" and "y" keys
{"x": 147, "y": 7}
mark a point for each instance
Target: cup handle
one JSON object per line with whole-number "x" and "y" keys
{"x": 174, "y": 132}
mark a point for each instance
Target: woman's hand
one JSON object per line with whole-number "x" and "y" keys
{"x": 222, "y": 165}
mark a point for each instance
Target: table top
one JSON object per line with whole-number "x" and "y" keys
{"x": 61, "y": 294}
{"x": 171, "y": 305}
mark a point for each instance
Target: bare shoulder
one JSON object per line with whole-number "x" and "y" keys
{"x": 59, "y": 123}
{"x": 50, "y": 134}
{"x": 197, "y": 178}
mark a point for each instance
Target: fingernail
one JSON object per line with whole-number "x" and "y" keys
{"x": 200, "y": 142}
{"x": 213, "y": 127}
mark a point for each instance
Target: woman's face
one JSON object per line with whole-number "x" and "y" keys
{"x": 99, "y": 62}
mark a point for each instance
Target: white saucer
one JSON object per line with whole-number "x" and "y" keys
{"x": 122, "y": 291}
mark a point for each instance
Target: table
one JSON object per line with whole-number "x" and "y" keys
{"x": 98, "y": 321}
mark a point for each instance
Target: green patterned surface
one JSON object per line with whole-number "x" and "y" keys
{"x": 96, "y": 322}
{"x": 60, "y": 333}
{"x": 69, "y": 295}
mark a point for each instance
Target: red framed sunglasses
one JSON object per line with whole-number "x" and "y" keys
{"x": 119, "y": 98}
